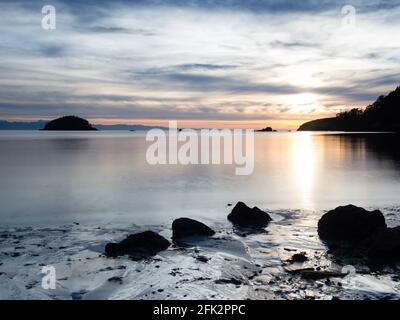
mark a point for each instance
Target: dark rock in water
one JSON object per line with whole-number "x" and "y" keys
{"x": 185, "y": 227}
{"x": 386, "y": 244}
{"x": 234, "y": 281}
{"x": 350, "y": 223}
{"x": 116, "y": 279}
{"x": 243, "y": 216}
{"x": 357, "y": 232}
{"x": 138, "y": 246}
{"x": 202, "y": 259}
{"x": 299, "y": 257}
{"x": 78, "y": 295}
{"x": 310, "y": 273}
{"x": 267, "y": 129}
{"x": 69, "y": 123}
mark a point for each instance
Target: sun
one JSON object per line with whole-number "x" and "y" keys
{"x": 302, "y": 76}
{"x": 304, "y": 103}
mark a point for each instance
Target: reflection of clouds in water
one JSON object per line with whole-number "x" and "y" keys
{"x": 303, "y": 165}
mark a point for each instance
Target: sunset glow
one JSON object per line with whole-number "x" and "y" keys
{"x": 204, "y": 64}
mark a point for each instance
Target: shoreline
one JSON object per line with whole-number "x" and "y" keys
{"x": 227, "y": 266}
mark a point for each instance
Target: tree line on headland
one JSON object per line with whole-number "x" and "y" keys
{"x": 381, "y": 116}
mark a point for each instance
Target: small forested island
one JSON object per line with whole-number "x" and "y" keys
{"x": 381, "y": 116}
{"x": 69, "y": 123}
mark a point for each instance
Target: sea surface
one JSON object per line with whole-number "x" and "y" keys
{"x": 56, "y": 177}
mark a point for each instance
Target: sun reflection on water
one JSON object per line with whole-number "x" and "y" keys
{"x": 303, "y": 166}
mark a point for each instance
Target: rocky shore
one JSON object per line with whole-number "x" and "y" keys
{"x": 280, "y": 255}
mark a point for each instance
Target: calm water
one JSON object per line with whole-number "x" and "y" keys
{"x": 102, "y": 177}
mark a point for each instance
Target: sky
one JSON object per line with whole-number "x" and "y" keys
{"x": 205, "y": 63}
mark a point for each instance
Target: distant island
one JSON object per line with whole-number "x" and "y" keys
{"x": 69, "y": 123}
{"x": 267, "y": 129}
{"x": 381, "y": 116}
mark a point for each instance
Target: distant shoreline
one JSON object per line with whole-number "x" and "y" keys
{"x": 38, "y": 125}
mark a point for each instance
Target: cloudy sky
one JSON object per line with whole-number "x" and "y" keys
{"x": 205, "y": 63}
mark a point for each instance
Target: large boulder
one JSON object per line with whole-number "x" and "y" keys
{"x": 244, "y": 216}
{"x": 386, "y": 244}
{"x": 185, "y": 227}
{"x": 138, "y": 246}
{"x": 350, "y": 224}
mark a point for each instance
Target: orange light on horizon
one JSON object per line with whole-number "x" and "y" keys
{"x": 276, "y": 124}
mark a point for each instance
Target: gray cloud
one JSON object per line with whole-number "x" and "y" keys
{"x": 194, "y": 59}
{"x": 169, "y": 111}
{"x": 120, "y": 30}
{"x": 204, "y": 66}
{"x": 257, "y": 6}
{"x": 294, "y": 44}
{"x": 52, "y": 50}
{"x": 224, "y": 84}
